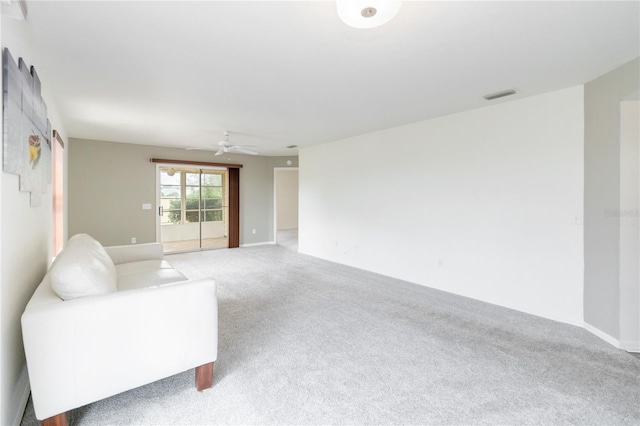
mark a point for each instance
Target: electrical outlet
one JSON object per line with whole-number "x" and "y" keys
{"x": 253, "y": 231}
{"x": 133, "y": 240}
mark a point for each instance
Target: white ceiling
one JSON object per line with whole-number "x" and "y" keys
{"x": 179, "y": 73}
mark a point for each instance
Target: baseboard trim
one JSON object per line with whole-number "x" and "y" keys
{"x": 21, "y": 405}
{"x": 630, "y": 346}
{"x": 601, "y": 334}
{"x": 264, "y": 243}
{"x": 625, "y": 345}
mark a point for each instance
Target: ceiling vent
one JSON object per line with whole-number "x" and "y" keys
{"x": 501, "y": 94}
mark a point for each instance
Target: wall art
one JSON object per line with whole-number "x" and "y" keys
{"x": 26, "y": 129}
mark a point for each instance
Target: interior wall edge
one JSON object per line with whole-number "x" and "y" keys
{"x": 602, "y": 167}
{"x": 603, "y": 335}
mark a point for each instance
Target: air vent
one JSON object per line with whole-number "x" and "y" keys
{"x": 502, "y": 94}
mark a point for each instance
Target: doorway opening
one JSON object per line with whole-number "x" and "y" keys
{"x": 193, "y": 208}
{"x": 285, "y": 213}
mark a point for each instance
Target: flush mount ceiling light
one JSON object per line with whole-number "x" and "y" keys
{"x": 367, "y": 13}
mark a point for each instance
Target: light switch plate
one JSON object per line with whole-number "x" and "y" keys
{"x": 146, "y": 206}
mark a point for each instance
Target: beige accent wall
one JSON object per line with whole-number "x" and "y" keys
{"x": 602, "y": 98}
{"x": 109, "y": 182}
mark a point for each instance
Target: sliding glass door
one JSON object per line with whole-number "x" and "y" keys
{"x": 192, "y": 212}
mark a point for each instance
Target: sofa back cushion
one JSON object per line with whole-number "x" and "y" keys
{"x": 82, "y": 269}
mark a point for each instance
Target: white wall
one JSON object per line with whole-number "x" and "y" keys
{"x": 286, "y": 193}
{"x": 26, "y": 240}
{"x": 602, "y": 225}
{"x": 629, "y": 231}
{"x": 486, "y": 203}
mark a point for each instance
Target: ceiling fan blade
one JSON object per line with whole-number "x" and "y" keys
{"x": 220, "y": 152}
{"x": 244, "y": 151}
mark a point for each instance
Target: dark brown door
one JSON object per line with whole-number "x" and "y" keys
{"x": 234, "y": 207}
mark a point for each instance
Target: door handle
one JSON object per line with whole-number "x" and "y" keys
{"x": 160, "y": 211}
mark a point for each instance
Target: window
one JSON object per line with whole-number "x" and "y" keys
{"x": 58, "y": 193}
{"x": 189, "y": 196}
{"x": 171, "y": 196}
{"x": 211, "y": 184}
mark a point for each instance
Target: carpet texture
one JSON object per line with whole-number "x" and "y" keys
{"x": 305, "y": 341}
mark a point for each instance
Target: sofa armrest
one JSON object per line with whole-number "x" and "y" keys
{"x": 135, "y": 252}
{"x": 82, "y": 350}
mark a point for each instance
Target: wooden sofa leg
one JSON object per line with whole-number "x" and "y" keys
{"x": 204, "y": 376}
{"x": 58, "y": 420}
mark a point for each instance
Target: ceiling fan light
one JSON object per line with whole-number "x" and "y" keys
{"x": 367, "y": 13}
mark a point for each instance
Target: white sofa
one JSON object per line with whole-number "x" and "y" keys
{"x": 106, "y": 320}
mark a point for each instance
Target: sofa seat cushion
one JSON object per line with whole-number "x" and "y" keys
{"x": 82, "y": 269}
{"x": 146, "y": 273}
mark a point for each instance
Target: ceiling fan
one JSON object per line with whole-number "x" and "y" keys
{"x": 225, "y": 146}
